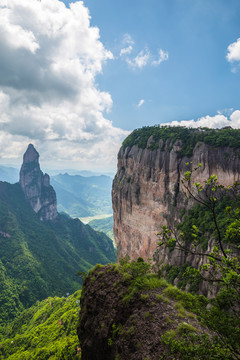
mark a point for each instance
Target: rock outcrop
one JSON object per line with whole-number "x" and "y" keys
{"x": 111, "y": 327}
{"x": 36, "y": 186}
{"x": 147, "y": 190}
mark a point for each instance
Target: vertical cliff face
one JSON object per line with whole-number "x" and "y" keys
{"x": 147, "y": 190}
{"x": 36, "y": 186}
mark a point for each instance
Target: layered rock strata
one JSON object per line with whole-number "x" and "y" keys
{"x": 148, "y": 193}
{"x": 36, "y": 186}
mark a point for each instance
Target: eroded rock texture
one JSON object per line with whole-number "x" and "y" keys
{"x": 36, "y": 186}
{"x": 147, "y": 190}
{"x": 111, "y": 327}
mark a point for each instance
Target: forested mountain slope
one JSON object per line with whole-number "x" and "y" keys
{"x": 40, "y": 259}
{"x": 47, "y": 330}
{"x": 105, "y": 225}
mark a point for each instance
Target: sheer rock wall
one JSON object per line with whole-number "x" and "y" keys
{"x": 147, "y": 191}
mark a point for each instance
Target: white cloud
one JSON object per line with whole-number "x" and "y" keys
{"x": 163, "y": 56}
{"x": 235, "y": 119}
{"x": 50, "y": 56}
{"x": 141, "y": 102}
{"x": 127, "y": 43}
{"x": 126, "y": 50}
{"x": 140, "y": 60}
{"x": 234, "y": 51}
{"x": 214, "y": 122}
{"x": 144, "y": 58}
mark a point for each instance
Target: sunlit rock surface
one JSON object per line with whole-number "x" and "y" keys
{"x": 148, "y": 193}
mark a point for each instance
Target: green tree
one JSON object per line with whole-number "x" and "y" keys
{"x": 222, "y": 269}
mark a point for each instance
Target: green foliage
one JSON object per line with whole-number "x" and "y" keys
{"x": 216, "y": 217}
{"x": 40, "y": 259}
{"x": 201, "y": 217}
{"x": 47, "y": 330}
{"x": 190, "y": 137}
{"x": 144, "y": 297}
{"x": 136, "y": 269}
{"x": 188, "y": 344}
{"x": 138, "y": 274}
{"x": 104, "y": 225}
{"x": 182, "y": 274}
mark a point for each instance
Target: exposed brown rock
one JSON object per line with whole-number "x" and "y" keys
{"x": 147, "y": 190}
{"x": 111, "y": 328}
{"x": 36, "y": 186}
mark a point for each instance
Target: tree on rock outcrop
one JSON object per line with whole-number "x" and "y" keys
{"x": 215, "y": 217}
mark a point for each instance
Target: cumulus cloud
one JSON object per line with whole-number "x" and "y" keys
{"x": 215, "y": 122}
{"x": 234, "y": 51}
{"x": 141, "y": 102}
{"x": 50, "y": 56}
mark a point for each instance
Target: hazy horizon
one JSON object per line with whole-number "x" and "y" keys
{"x": 76, "y": 77}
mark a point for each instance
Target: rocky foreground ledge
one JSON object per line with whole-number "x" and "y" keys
{"x": 128, "y": 313}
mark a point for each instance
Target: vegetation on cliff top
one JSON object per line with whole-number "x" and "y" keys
{"x": 47, "y": 330}
{"x": 129, "y": 312}
{"x": 189, "y": 136}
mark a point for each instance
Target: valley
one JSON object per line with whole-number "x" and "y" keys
{"x": 119, "y": 180}
{"x": 156, "y": 301}
{"x": 87, "y": 220}
{"x": 83, "y": 197}
{"x": 41, "y": 250}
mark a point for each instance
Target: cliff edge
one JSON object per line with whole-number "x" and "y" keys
{"x": 126, "y": 314}
{"x": 147, "y": 191}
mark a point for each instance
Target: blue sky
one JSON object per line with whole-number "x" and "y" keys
{"x": 196, "y": 80}
{"x": 75, "y": 85}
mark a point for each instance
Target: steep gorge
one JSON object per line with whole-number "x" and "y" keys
{"x": 147, "y": 190}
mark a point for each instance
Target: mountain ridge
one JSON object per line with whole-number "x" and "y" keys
{"x": 41, "y": 258}
{"x": 81, "y": 196}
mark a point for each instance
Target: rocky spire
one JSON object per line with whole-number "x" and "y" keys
{"x": 36, "y": 186}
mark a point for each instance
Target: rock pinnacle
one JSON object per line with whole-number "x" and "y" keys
{"x": 36, "y": 186}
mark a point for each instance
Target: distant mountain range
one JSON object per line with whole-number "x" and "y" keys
{"x": 85, "y": 173}
{"x": 81, "y": 196}
{"x": 41, "y": 250}
{"x": 88, "y": 194}
{"x": 9, "y": 174}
